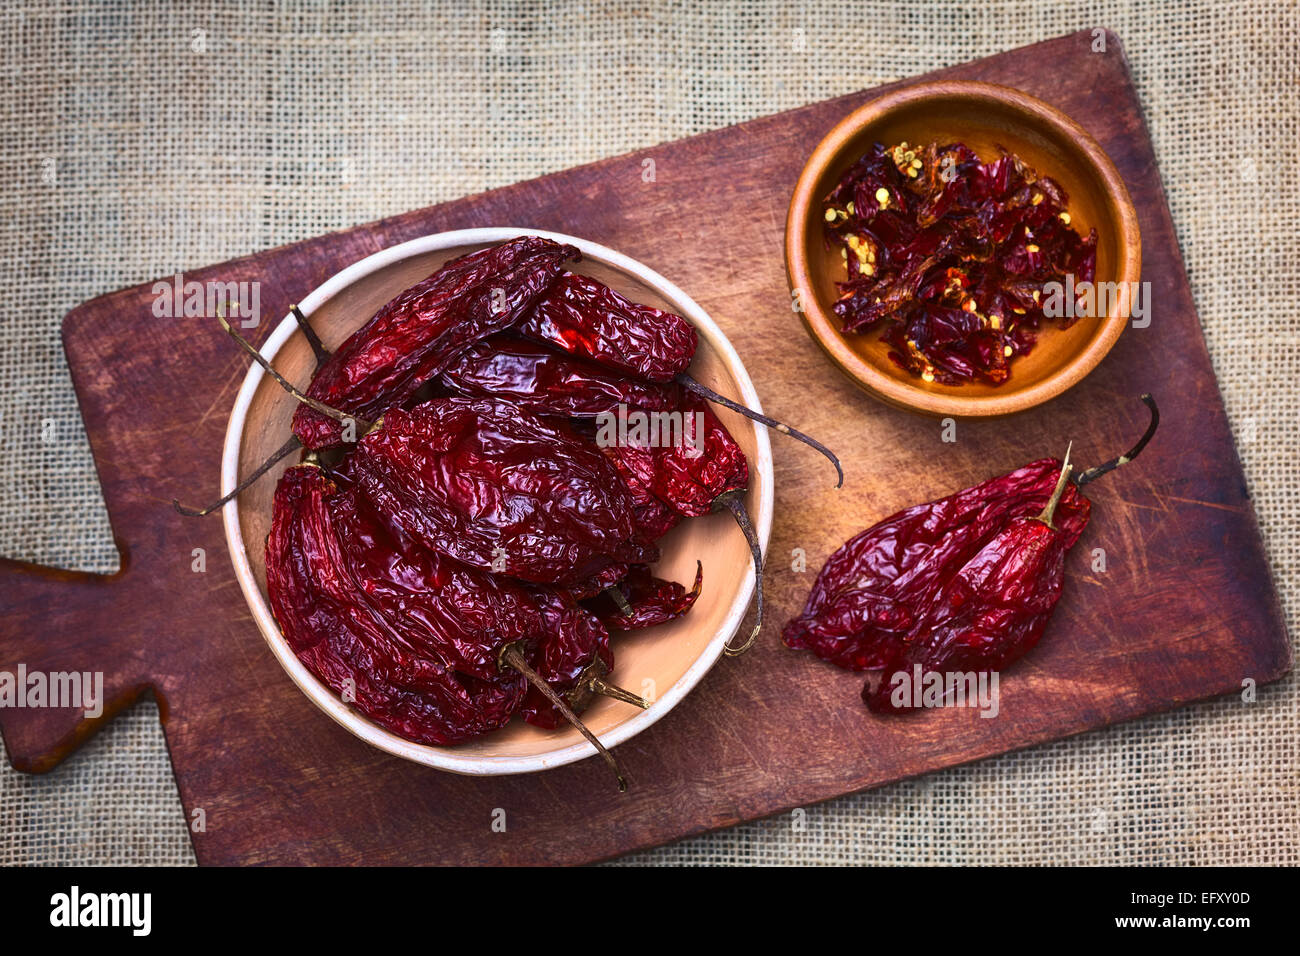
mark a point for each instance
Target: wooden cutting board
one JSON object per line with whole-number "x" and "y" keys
{"x": 1184, "y": 610}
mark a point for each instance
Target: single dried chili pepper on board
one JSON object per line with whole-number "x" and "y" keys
{"x": 966, "y": 583}
{"x": 868, "y": 592}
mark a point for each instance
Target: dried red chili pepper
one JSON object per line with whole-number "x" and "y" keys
{"x": 417, "y": 642}
{"x": 500, "y": 489}
{"x": 352, "y": 647}
{"x": 951, "y": 256}
{"x": 547, "y": 382}
{"x": 704, "y": 473}
{"x": 414, "y": 336}
{"x": 588, "y": 319}
{"x": 410, "y": 340}
{"x": 965, "y": 583}
{"x": 647, "y": 601}
{"x": 494, "y": 487}
{"x": 868, "y": 594}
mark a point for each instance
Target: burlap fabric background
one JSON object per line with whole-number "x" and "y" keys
{"x": 141, "y": 140}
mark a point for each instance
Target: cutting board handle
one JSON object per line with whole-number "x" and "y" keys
{"x": 59, "y": 632}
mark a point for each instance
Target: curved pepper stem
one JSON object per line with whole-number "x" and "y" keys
{"x": 1049, "y": 512}
{"x": 1094, "y": 473}
{"x": 734, "y": 502}
{"x": 257, "y": 473}
{"x": 512, "y": 657}
{"x": 284, "y": 383}
{"x": 322, "y": 355}
{"x": 709, "y": 394}
{"x": 317, "y": 349}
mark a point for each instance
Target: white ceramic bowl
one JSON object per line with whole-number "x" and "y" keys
{"x": 663, "y": 662}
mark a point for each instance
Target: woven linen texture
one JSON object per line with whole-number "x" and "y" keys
{"x": 145, "y": 139}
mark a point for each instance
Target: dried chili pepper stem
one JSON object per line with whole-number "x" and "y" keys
{"x": 707, "y": 393}
{"x": 257, "y": 473}
{"x": 734, "y": 502}
{"x": 317, "y": 349}
{"x": 512, "y": 657}
{"x": 321, "y": 356}
{"x": 619, "y": 600}
{"x": 614, "y": 692}
{"x": 1049, "y": 511}
{"x": 321, "y": 407}
{"x": 591, "y": 681}
{"x": 1094, "y": 473}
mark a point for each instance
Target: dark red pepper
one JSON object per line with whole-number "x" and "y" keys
{"x": 871, "y": 592}
{"x": 963, "y": 584}
{"x": 705, "y": 473}
{"x": 416, "y": 335}
{"x": 589, "y": 319}
{"x": 646, "y": 601}
{"x": 547, "y": 382}
{"x": 500, "y": 489}
{"x": 343, "y": 638}
{"x": 435, "y": 651}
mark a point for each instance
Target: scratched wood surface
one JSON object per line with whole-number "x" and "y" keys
{"x": 1185, "y": 609}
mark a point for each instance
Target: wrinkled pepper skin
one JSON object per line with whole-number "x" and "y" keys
{"x": 652, "y": 600}
{"x": 547, "y": 382}
{"x": 412, "y": 338}
{"x": 500, "y": 489}
{"x": 989, "y": 614}
{"x": 587, "y": 318}
{"x": 415, "y": 623}
{"x": 673, "y": 474}
{"x": 561, "y": 657}
{"x": 877, "y": 589}
{"x": 349, "y": 643}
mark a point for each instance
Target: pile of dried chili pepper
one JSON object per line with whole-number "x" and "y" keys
{"x": 949, "y": 256}
{"x": 447, "y": 562}
{"x": 965, "y": 584}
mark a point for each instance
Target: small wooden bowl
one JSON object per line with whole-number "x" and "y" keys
{"x": 984, "y": 117}
{"x": 664, "y": 662}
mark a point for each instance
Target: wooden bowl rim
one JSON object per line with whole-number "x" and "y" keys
{"x": 445, "y": 758}
{"x": 823, "y": 329}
